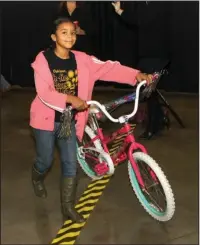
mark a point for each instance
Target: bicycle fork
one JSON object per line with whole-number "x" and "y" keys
{"x": 134, "y": 146}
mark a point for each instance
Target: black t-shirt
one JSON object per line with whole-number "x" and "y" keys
{"x": 65, "y": 75}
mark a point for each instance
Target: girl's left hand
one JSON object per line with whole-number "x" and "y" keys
{"x": 143, "y": 76}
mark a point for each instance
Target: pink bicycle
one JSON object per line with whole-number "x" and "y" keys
{"x": 99, "y": 155}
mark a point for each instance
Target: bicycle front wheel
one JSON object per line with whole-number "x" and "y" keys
{"x": 157, "y": 198}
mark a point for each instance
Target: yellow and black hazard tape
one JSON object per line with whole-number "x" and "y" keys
{"x": 71, "y": 230}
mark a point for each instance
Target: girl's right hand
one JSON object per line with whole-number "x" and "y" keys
{"x": 77, "y": 103}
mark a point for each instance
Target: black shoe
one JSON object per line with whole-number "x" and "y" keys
{"x": 38, "y": 183}
{"x": 147, "y": 135}
{"x": 68, "y": 194}
{"x": 166, "y": 122}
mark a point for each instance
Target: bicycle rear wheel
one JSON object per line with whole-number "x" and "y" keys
{"x": 161, "y": 204}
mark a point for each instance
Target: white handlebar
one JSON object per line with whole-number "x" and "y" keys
{"x": 124, "y": 118}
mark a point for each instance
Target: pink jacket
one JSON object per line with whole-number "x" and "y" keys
{"x": 90, "y": 69}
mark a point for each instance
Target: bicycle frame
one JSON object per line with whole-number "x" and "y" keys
{"x": 124, "y": 146}
{"x": 128, "y": 139}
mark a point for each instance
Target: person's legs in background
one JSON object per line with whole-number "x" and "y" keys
{"x": 156, "y": 117}
{"x": 68, "y": 185}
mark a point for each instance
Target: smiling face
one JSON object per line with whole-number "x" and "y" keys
{"x": 65, "y": 35}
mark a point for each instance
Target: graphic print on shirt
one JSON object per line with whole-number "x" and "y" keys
{"x": 65, "y": 81}
{"x": 65, "y": 75}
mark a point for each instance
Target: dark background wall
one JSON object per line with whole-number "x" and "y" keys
{"x": 26, "y": 25}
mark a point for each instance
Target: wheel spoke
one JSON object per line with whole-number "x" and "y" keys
{"x": 152, "y": 188}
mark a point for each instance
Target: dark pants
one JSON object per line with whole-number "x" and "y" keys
{"x": 155, "y": 110}
{"x": 155, "y": 114}
{"x": 45, "y": 144}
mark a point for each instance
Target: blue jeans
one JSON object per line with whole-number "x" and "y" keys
{"x": 45, "y": 144}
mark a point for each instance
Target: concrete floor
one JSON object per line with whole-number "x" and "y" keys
{"x": 118, "y": 217}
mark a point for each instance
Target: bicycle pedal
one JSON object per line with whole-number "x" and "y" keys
{"x": 101, "y": 168}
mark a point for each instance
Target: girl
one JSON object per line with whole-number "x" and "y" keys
{"x": 64, "y": 77}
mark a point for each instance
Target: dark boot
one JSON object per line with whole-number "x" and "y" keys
{"x": 68, "y": 194}
{"x": 38, "y": 183}
{"x": 147, "y": 135}
{"x": 155, "y": 118}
